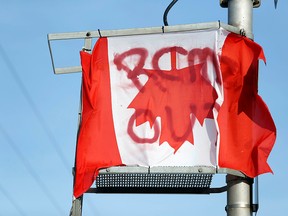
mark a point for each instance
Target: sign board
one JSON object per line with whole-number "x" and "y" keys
{"x": 180, "y": 97}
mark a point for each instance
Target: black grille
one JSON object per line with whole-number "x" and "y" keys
{"x": 151, "y": 180}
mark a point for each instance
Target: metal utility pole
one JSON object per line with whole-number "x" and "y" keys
{"x": 239, "y": 196}
{"x": 240, "y": 14}
{"x": 239, "y": 190}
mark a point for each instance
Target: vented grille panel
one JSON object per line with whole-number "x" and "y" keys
{"x": 163, "y": 180}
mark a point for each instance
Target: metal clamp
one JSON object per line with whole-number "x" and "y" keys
{"x": 224, "y": 3}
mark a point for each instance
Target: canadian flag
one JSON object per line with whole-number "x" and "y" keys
{"x": 173, "y": 99}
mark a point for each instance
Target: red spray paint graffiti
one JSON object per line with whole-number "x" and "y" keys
{"x": 172, "y": 94}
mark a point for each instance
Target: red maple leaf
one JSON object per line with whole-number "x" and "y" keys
{"x": 176, "y": 94}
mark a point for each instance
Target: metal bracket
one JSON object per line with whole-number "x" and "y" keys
{"x": 254, "y": 207}
{"x": 165, "y": 180}
{"x": 224, "y": 3}
{"x": 87, "y": 47}
{"x": 89, "y": 35}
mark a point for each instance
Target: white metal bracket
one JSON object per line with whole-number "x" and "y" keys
{"x": 87, "y": 36}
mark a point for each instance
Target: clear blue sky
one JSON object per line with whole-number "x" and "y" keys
{"x": 38, "y": 111}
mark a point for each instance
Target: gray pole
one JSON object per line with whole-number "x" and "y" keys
{"x": 239, "y": 190}
{"x": 239, "y": 196}
{"x": 240, "y": 14}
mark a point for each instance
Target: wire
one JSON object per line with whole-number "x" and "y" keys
{"x": 31, "y": 171}
{"x": 167, "y": 11}
{"x": 34, "y": 108}
{"x": 275, "y": 3}
{"x": 45, "y": 128}
{"x": 12, "y": 201}
{"x": 42, "y": 121}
